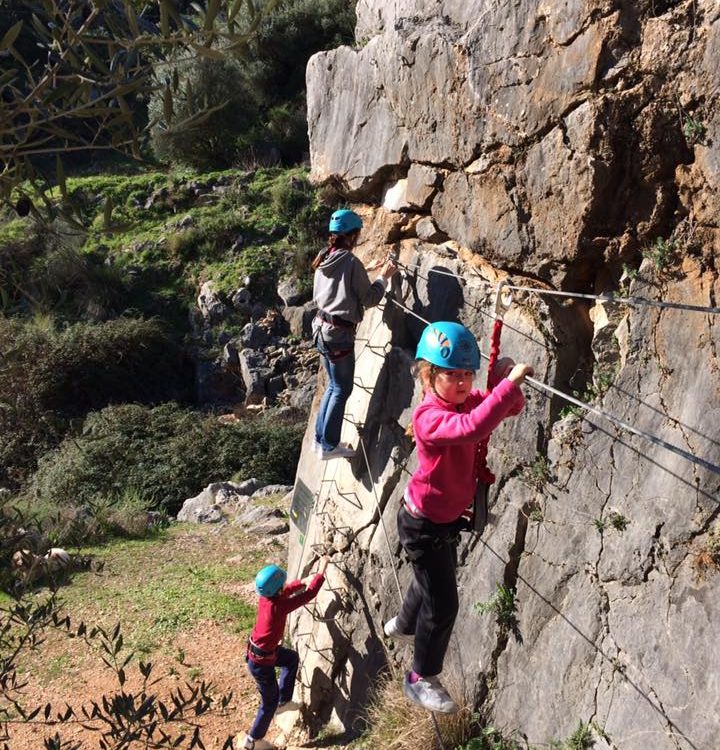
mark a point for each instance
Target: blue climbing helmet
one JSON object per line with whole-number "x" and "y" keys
{"x": 344, "y": 221}
{"x": 270, "y": 580}
{"x": 449, "y": 345}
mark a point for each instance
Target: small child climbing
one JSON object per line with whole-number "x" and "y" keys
{"x": 264, "y": 652}
{"x": 449, "y": 422}
{"x": 341, "y": 290}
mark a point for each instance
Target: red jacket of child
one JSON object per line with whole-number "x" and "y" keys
{"x": 272, "y": 614}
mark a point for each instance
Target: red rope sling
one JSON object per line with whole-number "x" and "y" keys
{"x": 483, "y": 476}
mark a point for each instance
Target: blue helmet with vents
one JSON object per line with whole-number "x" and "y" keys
{"x": 449, "y": 345}
{"x": 270, "y": 580}
{"x": 344, "y": 221}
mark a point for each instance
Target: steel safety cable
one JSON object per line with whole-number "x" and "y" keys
{"x": 611, "y": 298}
{"x": 540, "y": 386}
{"x": 471, "y": 304}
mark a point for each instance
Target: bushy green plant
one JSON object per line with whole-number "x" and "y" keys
{"x": 220, "y": 86}
{"x": 163, "y": 454}
{"x": 694, "y": 130}
{"x": 49, "y": 376}
{"x": 502, "y": 604}
{"x": 537, "y": 474}
{"x": 661, "y": 252}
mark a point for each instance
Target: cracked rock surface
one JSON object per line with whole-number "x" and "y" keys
{"x": 573, "y": 145}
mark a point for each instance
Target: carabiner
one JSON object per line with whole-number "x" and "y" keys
{"x": 503, "y": 298}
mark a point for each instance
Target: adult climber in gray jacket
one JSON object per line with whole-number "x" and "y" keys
{"x": 342, "y": 291}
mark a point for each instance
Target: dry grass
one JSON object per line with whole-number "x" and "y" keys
{"x": 396, "y": 724}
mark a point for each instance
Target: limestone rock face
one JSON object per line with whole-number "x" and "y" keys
{"x": 572, "y": 145}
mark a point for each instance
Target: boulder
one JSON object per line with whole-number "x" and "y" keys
{"x": 241, "y": 300}
{"x": 210, "y": 304}
{"x": 300, "y": 319}
{"x": 254, "y": 336}
{"x": 262, "y": 520}
{"x": 271, "y": 489}
{"x": 293, "y": 292}
{"x": 215, "y": 503}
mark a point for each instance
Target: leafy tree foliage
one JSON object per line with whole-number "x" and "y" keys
{"x": 219, "y": 87}
{"x": 256, "y": 109}
{"x": 75, "y": 75}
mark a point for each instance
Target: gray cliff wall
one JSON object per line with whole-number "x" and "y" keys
{"x": 555, "y": 141}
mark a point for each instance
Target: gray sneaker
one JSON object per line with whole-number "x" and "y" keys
{"x": 391, "y": 630}
{"x": 430, "y": 694}
{"x": 339, "y": 451}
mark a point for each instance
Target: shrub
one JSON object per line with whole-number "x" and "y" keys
{"x": 502, "y": 604}
{"x": 213, "y": 140}
{"x": 163, "y": 455}
{"x": 49, "y": 377}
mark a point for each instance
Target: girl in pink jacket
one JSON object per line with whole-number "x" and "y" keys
{"x": 448, "y": 424}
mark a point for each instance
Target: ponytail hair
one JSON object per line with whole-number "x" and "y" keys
{"x": 336, "y": 241}
{"x": 425, "y": 372}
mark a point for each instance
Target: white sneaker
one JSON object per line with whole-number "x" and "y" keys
{"x": 286, "y": 707}
{"x": 250, "y": 744}
{"x": 430, "y": 694}
{"x": 317, "y": 447}
{"x": 391, "y": 630}
{"x": 339, "y": 451}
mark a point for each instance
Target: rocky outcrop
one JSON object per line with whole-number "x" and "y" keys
{"x": 242, "y": 503}
{"x": 573, "y": 146}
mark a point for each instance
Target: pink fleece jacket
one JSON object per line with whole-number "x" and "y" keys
{"x": 446, "y": 437}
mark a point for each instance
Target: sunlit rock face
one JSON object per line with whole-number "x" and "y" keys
{"x": 572, "y": 145}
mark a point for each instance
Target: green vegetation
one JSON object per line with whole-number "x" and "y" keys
{"x": 179, "y": 593}
{"x": 694, "y": 131}
{"x": 537, "y": 474}
{"x": 491, "y": 739}
{"x": 51, "y": 376}
{"x": 662, "y": 252}
{"x": 502, "y": 604}
{"x": 581, "y": 739}
{"x": 163, "y": 455}
{"x": 161, "y": 593}
{"x": 629, "y": 274}
{"x": 603, "y": 377}
{"x": 613, "y": 520}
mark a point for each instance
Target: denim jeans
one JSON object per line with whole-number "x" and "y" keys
{"x": 430, "y": 605}
{"x": 270, "y": 692}
{"x": 328, "y": 424}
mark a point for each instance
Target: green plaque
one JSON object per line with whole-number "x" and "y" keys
{"x": 302, "y": 506}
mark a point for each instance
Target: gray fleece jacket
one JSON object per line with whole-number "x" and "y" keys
{"x": 342, "y": 288}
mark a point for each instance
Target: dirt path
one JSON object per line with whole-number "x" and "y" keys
{"x": 206, "y": 571}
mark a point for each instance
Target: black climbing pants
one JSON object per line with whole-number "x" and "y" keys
{"x": 431, "y": 603}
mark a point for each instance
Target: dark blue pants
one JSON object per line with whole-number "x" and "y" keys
{"x": 272, "y": 693}
{"x": 328, "y": 424}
